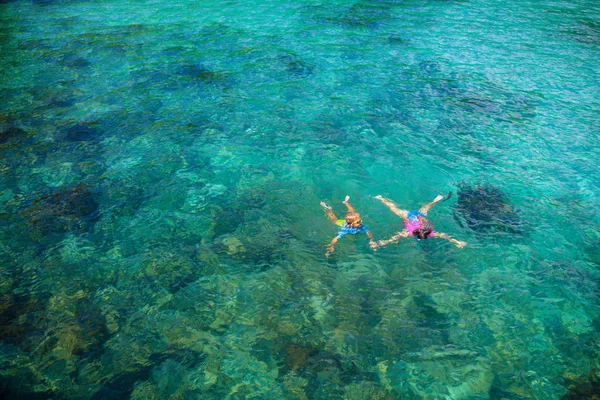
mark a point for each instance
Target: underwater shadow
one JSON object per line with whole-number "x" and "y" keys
{"x": 485, "y": 209}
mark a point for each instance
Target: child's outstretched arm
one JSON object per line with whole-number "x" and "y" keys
{"x": 372, "y": 241}
{"x": 331, "y": 247}
{"x": 457, "y": 243}
{"x": 394, "y": 239}
{"x": 330, "y": 214}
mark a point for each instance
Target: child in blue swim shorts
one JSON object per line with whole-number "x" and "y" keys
{"x": 351, "y": 225}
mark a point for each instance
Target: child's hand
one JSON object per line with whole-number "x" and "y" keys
{"x": 330, "y": 250}
{"x": 325, "y": 206}
{"x": 373, "y": 244}
{"x": 460, "y": 244}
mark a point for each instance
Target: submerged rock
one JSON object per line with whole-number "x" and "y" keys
{"x": 358, "y": 15}
{"x": 233, "y": 246}
{"x": 200, "y": 74}
{"x": 8, "y": 132}
{"x": 485, "y": 209}
{"x": 82, "y": 132}
{"x": 397, "y": 39}
{"x": 52, "y": 96}
{"x": 15, "y": 312}
{"x": 361, "y": 15}
{"x": 365, "y": 390}
{"x": 311, "y": 362}
{"x": 74, "y": 61}
{"x": 582, "y": 387}
{"x": 65, "y": 210}
{"x": 295, "y": 65}
{"x": 447, "y": 377}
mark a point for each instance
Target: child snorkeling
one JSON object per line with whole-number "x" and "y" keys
{"x": 351, "y": 225}
{"x": 415, "y": 223}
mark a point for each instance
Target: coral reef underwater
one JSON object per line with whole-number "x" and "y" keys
{"x": 162, "y": 165}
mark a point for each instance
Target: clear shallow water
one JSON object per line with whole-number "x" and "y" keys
{"x": 162, "y": 166}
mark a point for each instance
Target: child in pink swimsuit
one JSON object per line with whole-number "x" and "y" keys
{"x": 416, "y": 223}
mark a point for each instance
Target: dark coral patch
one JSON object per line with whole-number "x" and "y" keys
{"x": 200, "y": 74}
{"x": 314, "y": 364}
{"x": 8, "y": 132}
{"x": 359, "y": 15}
{"x": 584, "y": 387}
{"x": 82, "y": 132}
{"x": 65, "y": 210}
{"x": 365, "y": 15}
{"x": 397, "y": 39}
{"x": 485, "y": 209}
{"x": 14, "y": 326}
{"x": 73, "y": 61}
{"x": 295, "y": 66}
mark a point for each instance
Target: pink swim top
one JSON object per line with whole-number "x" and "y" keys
{"x": 413, "y": 224}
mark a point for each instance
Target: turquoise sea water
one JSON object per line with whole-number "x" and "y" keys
{"x": 162, "y": 165}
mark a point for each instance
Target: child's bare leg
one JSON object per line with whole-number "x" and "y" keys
{"x": 392, "y": 206}
{"x": 348, "y": 205}
{"x": 427, "y": 206}
{"x": 329, "y": 212}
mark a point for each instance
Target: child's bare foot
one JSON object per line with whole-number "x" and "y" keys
{"x": 325, "y": 206}
{"x": 346, "y": 199}
{"x": 378, "y": 197}
{"x": 438, "y": 198}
